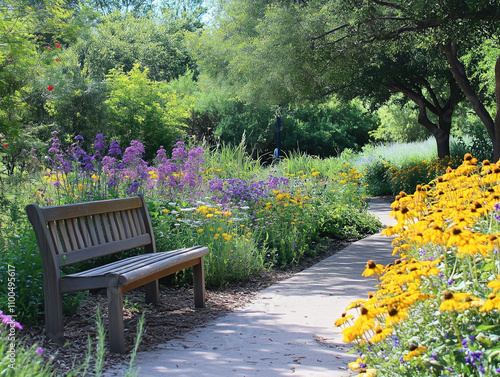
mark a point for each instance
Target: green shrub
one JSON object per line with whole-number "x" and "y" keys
{"x": 348, "y": 223}
{"x": 376, "y": 178}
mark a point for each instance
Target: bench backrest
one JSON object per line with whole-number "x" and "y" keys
{"x": 74, "y": 233}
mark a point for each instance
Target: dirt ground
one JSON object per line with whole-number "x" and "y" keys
{"x": 172, "y": 318}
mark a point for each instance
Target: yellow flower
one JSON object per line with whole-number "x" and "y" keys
{"x": 166, "y": 211}
{"x": 372, "y": 269}
{"x": 355, "y": 365}
{"x": 451, "y": 301}
{"x": 355, "y": 304}
{"x": 490, "y": 304}
{"x": 345, "y": 317}
{"x": 209, "y": 215}
{"x": 200, "y": 230}
{"x": 380, "y": 334}
{"x": 95, "y": 177}
{"x": 395, "y": 315}
{"x": 315, "y": 173}
{"x": 369, "y": 372}
{"x": 80, "y": 186}
{"x": 495, "y": 284}
{"x": 414, "y": 351}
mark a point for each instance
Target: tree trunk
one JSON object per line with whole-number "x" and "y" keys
{"x": 460, "y": 75}
{"x": 443, "y": 142}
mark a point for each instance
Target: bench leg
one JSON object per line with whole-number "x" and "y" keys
{"x": 152, "y": 293}
{"x": 115, "y": 320}
{"x": 54, "y": 325}
{"x": 199, "y": 284}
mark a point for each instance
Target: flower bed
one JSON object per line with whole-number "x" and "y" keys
{"x": 252, "y": 218}
{"x": 436, "y": 310}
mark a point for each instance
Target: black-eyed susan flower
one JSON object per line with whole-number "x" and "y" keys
{"x": 395, "y": 315}
{"x": 345, "y": 318}
{"x": 372, "y": 269}
{"x": 451, "y": 301}
{"x": 491, "y": 303}
{"x": 414, "y": 351}
{"x": 380, "y": 334}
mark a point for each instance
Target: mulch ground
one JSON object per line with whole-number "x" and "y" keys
{"x": 169, "y": 320}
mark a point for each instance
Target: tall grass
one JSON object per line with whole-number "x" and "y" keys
{"x": 389, "y": 169}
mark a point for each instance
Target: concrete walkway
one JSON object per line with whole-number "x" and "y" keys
{"x": 288, "y": 329}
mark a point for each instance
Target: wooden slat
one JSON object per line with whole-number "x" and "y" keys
{"x": 99, "y": 226}
{"x": 64, "y": 235}
{"x": 128, "y": 222}
{"x": 138, "y": 220}
{"x": 101, "y": 250}
{"x": 130, "y": 264}
{"x": 114, "y": 228}
{"x": 107, "y": 230}
{"x": 91, "y": 227}
{"x": 90, "y": 208}
{"x": 72, "y": 234}
{"x": 120, "y": 225}
{"x": 129, "y": 284}
{"x": 84, "y": 231}
{"x": 78, "y": 233}
{"x": 55, "y": 238}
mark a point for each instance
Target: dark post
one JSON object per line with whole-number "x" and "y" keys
{"x": 278, "y": 130}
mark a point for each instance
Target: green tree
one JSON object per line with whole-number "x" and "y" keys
{"x": 281, "y": 50}
{"x": 144, "y": 110}
{"x": 122, "y": 40}
{"x": 30, "y": 32}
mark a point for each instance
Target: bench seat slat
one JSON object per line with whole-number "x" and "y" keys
{"x": 128, "y": 271}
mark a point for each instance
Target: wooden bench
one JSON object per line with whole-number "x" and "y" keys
{"x": 74, "y": 233}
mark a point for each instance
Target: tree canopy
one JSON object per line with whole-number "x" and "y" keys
{"x": 281, "y": 51}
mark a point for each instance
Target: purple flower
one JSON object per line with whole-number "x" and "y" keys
{"x": 179, "y": 153}
{"x": 54, "y": 148}
{"x": 78, "y": 138}
{"x": 99, "y": 145}
{"x": 114, "y": 148}
{"x": 133, "y": 188}
{"x": 39, "y": 350}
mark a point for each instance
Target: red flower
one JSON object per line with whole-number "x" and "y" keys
{"x": 58, "y": 60}
{"x": 5, "y": 145}
{"x": 37, "y": 74}
{"x": 58, "y": 45}
{"x": 50, "y": 87}
{"x": 48, "y": 48}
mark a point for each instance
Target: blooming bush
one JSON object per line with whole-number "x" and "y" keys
{"x": 436, "y": 310}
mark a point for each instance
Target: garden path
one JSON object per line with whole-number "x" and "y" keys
{"x": 287, "y": 330}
